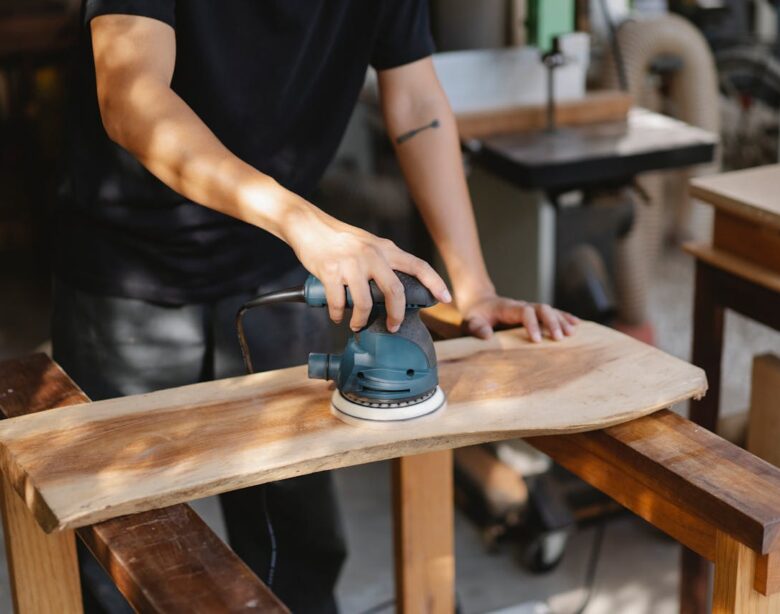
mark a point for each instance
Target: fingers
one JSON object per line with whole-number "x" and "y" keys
{"x": 423, "y": 271}
{"x": 531, "y": 323}
{"x": 511, "y": 311}
{"x": 550, "y": 320}
{"x": 566, "y": 326}
{"x": 479, "y": 327}
{"x": 395, "y": 297}
{"x": 362, "y": 303}
{"x": 573, "y": 320}
{"x": 336, "y": 297}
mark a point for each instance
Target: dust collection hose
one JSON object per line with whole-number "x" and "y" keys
{"x": 693, "y": 98}
{"x": 295, "y": 294}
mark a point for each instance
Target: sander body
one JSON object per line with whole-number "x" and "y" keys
{"x": 379, "y": 376}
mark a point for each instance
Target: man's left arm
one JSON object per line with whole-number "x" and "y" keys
{"x": 422, "y": 127}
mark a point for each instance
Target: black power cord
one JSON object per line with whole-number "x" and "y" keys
{"x": 291, "y": 295}
{"x": 593, "y": 563}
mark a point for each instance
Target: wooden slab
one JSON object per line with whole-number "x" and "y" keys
{"x": 88, "y": 463}
{"x": 749, "y": 193}
{"x": 164, "y": 560}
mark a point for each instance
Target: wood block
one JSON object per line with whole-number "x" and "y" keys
{"x": 749, "y": 193}
{"x": 596, "y": 107}
{"x": 88, "y": 463}
{"x": 748, "y": 239}
{"x": 165, "y": 560}
{"x": 735, "y": 566}
{"x": 763, "y": 437}
{"x": 424, "y": 537}
{"x": 768, "y": 573}
{"x": 43, "y": 568}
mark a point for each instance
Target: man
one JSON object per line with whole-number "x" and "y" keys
{"x": 198, "y": 131}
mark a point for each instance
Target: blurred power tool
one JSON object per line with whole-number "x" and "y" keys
{"x": 380, "y": 376}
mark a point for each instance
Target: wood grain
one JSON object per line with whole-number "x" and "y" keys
{"x": 763, "y": 437}
{"x": 735, "y": 265}
{"x": 169, "y": 560}
{"x": 749, "y": 193}
{"x": 43, "y": 568}
{"x": 768, "y": 573}
{"x": 424, "y": 525}
{"x": 660, "y": 462}
{"x": 88, "y": 463}
{"x": 165, "y": 560}
{"x": 735, "y": 566}
{"x": 753, "y": 241}
{"x": 596, "y": 107}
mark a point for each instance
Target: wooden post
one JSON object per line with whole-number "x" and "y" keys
{"x": 424, "y": 533}
{"x": 735, "y": 567}
{"x": 707, "y": 351}
{"x": 764, "y": 421}
{"x": 43, "y": 568}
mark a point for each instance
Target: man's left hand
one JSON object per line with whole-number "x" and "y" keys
{"x": 484, "y": 314}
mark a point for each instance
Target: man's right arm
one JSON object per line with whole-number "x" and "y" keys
{"x": 134, "y": 62}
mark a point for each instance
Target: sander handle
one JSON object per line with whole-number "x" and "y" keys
{"x": 417, "y": 295}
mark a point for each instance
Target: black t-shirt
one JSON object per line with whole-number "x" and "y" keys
{"x": 276, "y": 81}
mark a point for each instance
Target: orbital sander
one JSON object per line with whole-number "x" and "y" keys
{"x": 380, "y": 376}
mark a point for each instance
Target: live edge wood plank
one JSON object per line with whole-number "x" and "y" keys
{"x": 165, "y": 560}
{"x": 84, "y": 464}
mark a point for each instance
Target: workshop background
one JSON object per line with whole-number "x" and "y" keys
{"x": 607, "y": 250}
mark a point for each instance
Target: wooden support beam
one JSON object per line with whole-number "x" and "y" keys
{"x": 42, "y": 568}
{"x": 424, "y": 533}
{"x": 735, "y": 567}
{"x": 165, "y": 560}
{"x": 663, "y": 462}
{"x": 768, "y": 574}
{"x": 763, "y": 437}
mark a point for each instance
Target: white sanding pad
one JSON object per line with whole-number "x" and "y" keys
{"x": 353, "y": 411}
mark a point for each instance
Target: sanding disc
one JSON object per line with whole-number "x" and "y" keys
{"x": 346, "y": 408}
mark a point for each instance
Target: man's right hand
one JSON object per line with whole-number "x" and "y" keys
{"x": 342, "y": 255}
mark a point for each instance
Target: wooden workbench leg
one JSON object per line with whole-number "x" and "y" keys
{"x": 707, "y": 351}
{"x": 43, "y": 568}
{"x": 735, "y": 568}
{"x": 424, "y": 533}
{"x": 707, "y": 347}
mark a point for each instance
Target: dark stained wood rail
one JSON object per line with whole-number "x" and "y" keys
{"x": 683, "y": 479}
{"x": 165, "y": 560}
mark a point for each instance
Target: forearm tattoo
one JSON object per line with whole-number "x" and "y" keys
{"x": 412, "y": 133}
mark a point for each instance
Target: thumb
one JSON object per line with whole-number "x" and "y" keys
{"x": 479, "y": 327}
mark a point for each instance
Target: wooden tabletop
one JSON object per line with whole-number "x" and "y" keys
{"x": 753, "y": 193}
{"x": 86, "y": 463}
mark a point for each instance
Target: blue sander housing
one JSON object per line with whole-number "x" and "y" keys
{"x": 380, "y": 376}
